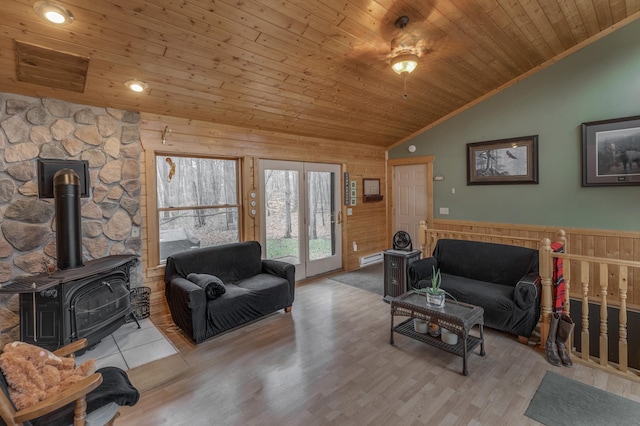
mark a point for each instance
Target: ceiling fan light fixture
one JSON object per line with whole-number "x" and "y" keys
{"x": 53, "y": 12}
{"x": 404, "y": 63}
{"x": 138, "y": 86}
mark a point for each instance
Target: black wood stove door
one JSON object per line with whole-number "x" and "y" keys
{"x": 98, "y": 304}
{"x": 90, "y": 308}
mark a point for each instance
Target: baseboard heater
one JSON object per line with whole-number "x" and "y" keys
{"x": 371, "y": 259}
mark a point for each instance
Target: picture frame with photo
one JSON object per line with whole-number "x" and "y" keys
{"x": 503, "y": 161}
{"x": 611, "y": 152}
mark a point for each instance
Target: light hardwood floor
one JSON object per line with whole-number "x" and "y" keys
{"x": 330, "y": 362}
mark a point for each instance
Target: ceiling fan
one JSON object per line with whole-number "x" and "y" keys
{"x": 405, "y": 50}
{"x": 402, "y": 37}
{"x": 400, "y": 45}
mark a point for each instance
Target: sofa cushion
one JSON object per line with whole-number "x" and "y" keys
{"x": 496, "y": 299}
{"x": 490, "y": 262}
{"x": 269, "y": 290}
{"x": 229, "y": 262}
{"x": 213, "y": 287}
{"x": 247, "y": 300}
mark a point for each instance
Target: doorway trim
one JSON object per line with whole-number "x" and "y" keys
{"x": 424, "y": 159}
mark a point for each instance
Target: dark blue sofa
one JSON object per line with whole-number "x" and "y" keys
{"x": 254, "y": 288}
{"x": 503, "y": 279}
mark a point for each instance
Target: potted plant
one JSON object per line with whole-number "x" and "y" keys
{"x": 448, "y": 336}
{"x": 420, "y": 325}
{"x": 435, "y": 295}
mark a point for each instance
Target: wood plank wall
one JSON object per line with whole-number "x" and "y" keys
{"x": 367, "y": 226}
{"x": 588, "y": 242}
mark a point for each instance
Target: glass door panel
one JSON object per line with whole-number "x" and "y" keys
{"x": 282, "y": 216}
{"x": 323, "y": 207}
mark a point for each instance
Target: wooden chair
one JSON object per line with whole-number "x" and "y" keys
{"x": 77, "y": 392}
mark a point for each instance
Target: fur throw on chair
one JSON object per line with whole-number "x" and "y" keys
{"x": 34, "y": 373}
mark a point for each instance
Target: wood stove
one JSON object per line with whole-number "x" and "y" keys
{"x": 87, "y": 302}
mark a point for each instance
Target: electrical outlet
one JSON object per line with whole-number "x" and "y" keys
{"x": 355, "y": 246}
{"x": 135, "y": 232}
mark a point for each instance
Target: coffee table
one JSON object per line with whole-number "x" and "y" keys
{"x": 457, "y": 317}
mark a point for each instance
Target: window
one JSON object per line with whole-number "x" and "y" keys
{"x": 197, "y": 203}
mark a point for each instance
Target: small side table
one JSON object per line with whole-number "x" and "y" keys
{"x": 457, "y": 317}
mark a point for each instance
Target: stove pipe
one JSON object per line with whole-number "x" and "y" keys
{"x": 66, "y": 189}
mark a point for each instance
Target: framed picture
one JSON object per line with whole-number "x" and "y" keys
{"x": 611, "y": 152}
{"x": 504, "y": 161}
{"x": 371, "y": 190}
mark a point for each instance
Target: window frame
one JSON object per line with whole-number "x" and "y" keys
{"x": 154, "y": 219}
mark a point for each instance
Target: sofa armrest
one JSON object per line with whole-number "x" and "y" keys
{"x": 188, "y": 305}
{"x": 284, "y": 270}
{"x": 527, "y": 290}
{"x": 421, "y": 270}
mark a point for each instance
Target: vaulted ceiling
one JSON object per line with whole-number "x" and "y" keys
{"x": 306, "y": 67}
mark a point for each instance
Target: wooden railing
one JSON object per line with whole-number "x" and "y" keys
{"x": 429, "y": 237}
{"x": 604, "y": 266}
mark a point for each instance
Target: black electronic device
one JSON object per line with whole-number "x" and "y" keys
{"x": 402, "y": 241}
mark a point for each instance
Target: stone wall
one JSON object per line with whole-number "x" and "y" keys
{"x": 109, "y": 140}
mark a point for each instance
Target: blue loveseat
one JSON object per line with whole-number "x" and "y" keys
{"x": 252, "y": 287}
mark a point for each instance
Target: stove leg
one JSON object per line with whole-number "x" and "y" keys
{"x": 132, "y": 315}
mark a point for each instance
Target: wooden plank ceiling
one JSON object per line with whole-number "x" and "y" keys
{"x": 315, "y": 68}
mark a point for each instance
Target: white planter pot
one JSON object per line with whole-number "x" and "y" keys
{"x": 420, "y": 325}
{"x": 448, "y": 336}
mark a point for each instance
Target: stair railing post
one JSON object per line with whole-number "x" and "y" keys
{"x": 546, "y": 276}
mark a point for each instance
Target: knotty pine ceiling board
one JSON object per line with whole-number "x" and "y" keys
{"x": 304, "y": 67}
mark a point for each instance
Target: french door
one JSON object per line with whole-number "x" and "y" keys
{"x": 300, "y": 215}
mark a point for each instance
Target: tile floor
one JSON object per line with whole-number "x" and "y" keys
{"x": 130, "y": 347}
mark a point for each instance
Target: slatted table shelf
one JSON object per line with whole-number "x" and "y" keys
{"x": 459, "y": 318}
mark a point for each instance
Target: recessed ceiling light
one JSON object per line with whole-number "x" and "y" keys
{"x": 53, "y": 12}
{"x": 137, "y": 85}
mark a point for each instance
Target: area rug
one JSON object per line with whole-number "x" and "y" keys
{"x": 560, "y": 401}
{"x": 370, "y": 278}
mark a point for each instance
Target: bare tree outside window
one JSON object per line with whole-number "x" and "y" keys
{"x": 321, "y": 238}
{"x": 198, "y": 203}
{"x": 283, "y": 215}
